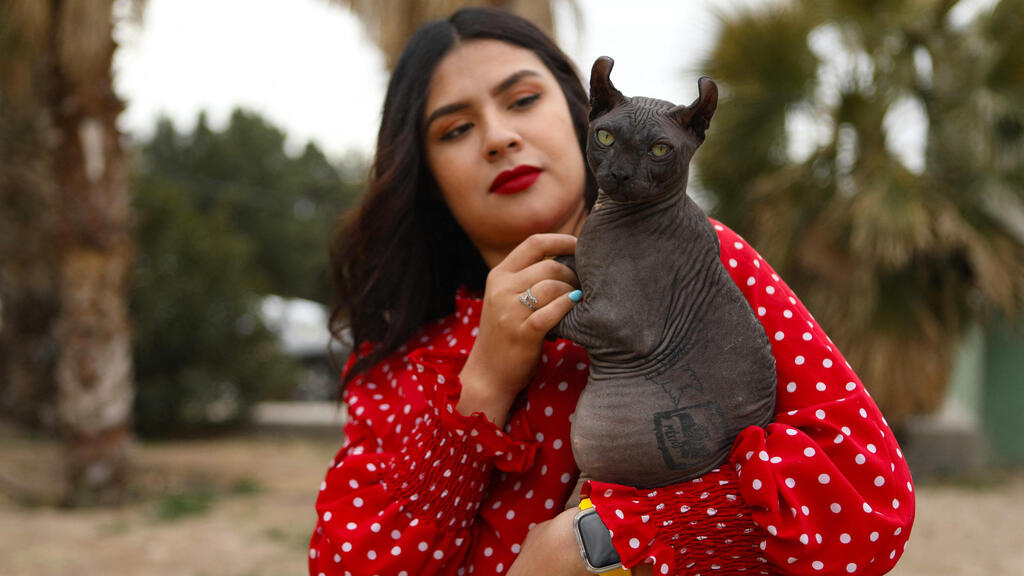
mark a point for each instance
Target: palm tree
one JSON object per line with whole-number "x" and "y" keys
{"x": 28, "y": 272}
{"x": 895, "y": 257}
{"x": 64, "y": 163}
{"x": 392, "y": 22}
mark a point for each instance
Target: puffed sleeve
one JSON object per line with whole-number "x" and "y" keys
{"x": 402, "y": 494}
{"x": 824, "y": 489}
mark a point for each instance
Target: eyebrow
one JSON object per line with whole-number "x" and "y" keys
{"x": 502, "y": 86}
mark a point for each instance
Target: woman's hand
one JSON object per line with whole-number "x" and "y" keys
{"x": 551, "y": 548}
{"x": 509, "y": 342}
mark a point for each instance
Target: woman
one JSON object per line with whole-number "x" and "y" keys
{"x": 457, "y": 456}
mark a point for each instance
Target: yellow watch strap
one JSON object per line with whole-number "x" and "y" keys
{"x": 620, "y": 571}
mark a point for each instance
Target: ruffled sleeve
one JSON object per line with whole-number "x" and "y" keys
{"x": 402, "y": 495}
{"x": 512, "y": 452}
{"x": 824, "y": 489}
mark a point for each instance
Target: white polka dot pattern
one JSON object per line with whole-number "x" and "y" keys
{"x": 419, "y": 488}
{"x": 837, "y": 459}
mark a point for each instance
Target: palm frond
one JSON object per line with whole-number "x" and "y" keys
{"x": 764, "y": 68}
{"x": 893, "y": 263}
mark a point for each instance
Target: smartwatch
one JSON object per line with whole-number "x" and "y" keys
{"x": 595, "y": 542}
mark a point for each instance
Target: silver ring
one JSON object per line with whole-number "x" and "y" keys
{"x": 528, "y": 299}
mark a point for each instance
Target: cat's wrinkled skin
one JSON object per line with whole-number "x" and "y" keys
{"x": 679, "y": 365}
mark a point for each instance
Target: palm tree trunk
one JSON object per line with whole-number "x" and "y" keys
{"x": 57, "y": 73}
{"x": 94, "y": 366}
{"x": 28, "y": 276}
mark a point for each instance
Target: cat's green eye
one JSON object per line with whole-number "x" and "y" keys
{"x": 659, "y": 150}
{"x": 605, "y": 137}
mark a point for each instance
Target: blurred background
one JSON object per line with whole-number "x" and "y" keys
{"x": 171, "y": 171}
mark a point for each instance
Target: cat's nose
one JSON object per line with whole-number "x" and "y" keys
{"x": 621, "y": 177}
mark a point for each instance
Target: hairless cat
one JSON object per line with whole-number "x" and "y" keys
{"x": 679, "y": 365}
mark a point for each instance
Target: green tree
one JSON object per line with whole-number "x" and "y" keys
{"x": 895, "y": 260}
{"x": 225, "y": 218}
{"x": 202, "y": 355}
{"x": 286, "y": 206}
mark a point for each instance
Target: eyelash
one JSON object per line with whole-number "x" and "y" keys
{"x": 524, "y": 102}
{"x": 456, "y": 132}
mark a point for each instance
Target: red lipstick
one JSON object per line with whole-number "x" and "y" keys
{"x": 515, "y": 180}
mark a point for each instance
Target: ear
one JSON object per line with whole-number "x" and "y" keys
{"x": 697, "y": 116}
{"x": 603, "y": 95}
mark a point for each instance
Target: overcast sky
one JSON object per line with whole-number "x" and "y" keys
{"x": 311, "y": 69}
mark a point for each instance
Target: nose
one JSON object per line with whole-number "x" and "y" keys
{"x": 495, "y": 152}
{"x": 501, "y": 140}
{"x": 621, "y": 176}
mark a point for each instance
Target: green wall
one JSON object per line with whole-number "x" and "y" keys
{"x": 1002, "y": 394}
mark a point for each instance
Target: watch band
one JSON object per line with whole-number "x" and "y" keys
{"x": 587, "y": 509}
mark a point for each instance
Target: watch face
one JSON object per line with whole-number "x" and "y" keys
{"x": 596, "y": 542}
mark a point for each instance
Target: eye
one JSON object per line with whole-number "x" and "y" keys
{"x": 659, "y": 150}
{"x": 525, "y": 101}
{"x": 605, "y": 137}
{"x": 457, "y": 131}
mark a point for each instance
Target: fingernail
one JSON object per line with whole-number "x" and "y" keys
{"x": 576, "y": 295}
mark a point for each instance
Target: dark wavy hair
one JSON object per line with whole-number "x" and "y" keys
{"x": 398, "y": 259}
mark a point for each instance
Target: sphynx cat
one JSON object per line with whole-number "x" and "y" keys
{"x": 679, "y": 365}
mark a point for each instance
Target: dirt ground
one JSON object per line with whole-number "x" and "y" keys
{"x": 242, "y": 506}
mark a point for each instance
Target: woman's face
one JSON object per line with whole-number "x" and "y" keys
{"x": 501, "y": 146}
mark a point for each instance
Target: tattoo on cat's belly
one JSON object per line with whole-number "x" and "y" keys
{"x": 685, "y": 435}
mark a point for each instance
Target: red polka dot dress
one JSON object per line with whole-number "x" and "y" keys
{"x": 419, "y": 488}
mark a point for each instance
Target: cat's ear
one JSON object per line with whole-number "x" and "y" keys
{"x": 697, "y": 116}
{"x": 603, "y": 95}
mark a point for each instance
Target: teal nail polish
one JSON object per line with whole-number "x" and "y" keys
{"x": 576, "y": 295}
